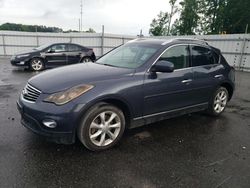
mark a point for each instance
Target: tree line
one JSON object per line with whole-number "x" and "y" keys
{"x": 202, "y": 17}
{"x": 36, "y": 28}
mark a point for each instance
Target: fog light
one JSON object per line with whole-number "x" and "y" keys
{"x": 49, "y": 123}
{"x": 22, "y": 63}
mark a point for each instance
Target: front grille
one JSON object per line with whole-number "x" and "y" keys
{"x": 30, "y": 93}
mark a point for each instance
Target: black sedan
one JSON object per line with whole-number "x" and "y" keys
{"x": 53, "y": 55}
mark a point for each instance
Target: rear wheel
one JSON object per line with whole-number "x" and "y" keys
{"x": 219, "y": 101}
{"x": 102, "y": 127}
{"x": 36, "y": 64}
{"x": 86, "y": 60}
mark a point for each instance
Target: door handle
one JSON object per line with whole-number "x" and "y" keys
{"x": 218, "y": 76}
{"x": 186, "y": 81}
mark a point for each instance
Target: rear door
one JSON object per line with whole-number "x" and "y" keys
{"x": 164, "y": 92}
{"x": 74, "y": 53}
{"x": 208, "y": 72}
{"x": 56, "y": 55}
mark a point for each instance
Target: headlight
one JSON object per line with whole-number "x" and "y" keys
{"x": 21, "y": 56}
{"x": 68, "y": 95}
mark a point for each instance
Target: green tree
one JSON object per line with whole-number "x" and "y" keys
{"x": 230, "y": 16}
{"x": 29, "y": 28}
{"x": 213, "y": 15}
{"x": 189, "y": 18}
{"x": 236, "y": 16}
{"x": 158, "y": 27}
{"x": 90, "y": 30}
{"x": 204, "y": 17}
{"x": 175, "y": 28}
{"x": 161, "y": 25}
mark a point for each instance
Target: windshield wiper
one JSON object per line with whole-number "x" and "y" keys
{"x": 96, "y": 62}
{"x": 108, "y": 65}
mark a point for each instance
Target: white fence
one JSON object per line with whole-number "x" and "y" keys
{"x": 12, "y": 42}
{"x": 235, "y": 48}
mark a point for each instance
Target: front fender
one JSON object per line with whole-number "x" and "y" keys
{"x": 109, "y": 97}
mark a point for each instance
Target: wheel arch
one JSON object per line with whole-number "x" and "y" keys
{"x": 39, "y": 57}
{"x": 123, "y": 106}
{"x": 229, "y": 88}
{"x": 113, "y": 100}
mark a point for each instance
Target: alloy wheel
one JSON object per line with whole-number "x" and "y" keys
{"x": 37, "y": 64}
{"x": 86, "y": 60}
{"x": 105, "y": 128}
{"x": 220, "y": 101}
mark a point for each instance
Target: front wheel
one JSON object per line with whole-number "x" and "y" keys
{"x": 219, "y": 101}
{"x": 36, "y": 64}
{"x": 102, "y": 127}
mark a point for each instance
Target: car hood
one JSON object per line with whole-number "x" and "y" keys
{"x": 63, "y": 78}
{"x": 26, "y": 52}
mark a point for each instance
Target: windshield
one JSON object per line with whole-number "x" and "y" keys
{"x": 128, "y": 56}
{"x": 42, "y": 47}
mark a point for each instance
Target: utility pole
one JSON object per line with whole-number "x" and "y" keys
{"x": 81, "y": 5}
{"x": 102, "y": 41}
{"x": 79, "y": 23}
{"x": 140, "y": 35}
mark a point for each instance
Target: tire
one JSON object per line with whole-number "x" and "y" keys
{"x": 36, "y": 64}
{"x": 86, "y": 60}
{"x": 218, "y": 102}
{"x": 97, "y": 131}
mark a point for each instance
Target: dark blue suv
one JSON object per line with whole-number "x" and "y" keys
{"x": 141, "y": 82}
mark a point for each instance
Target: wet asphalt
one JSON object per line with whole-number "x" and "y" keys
{"x": 189, "y": 151}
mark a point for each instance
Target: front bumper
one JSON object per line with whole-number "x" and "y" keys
{"x": 19, "y": 63}
{"x": 66, "y": 117}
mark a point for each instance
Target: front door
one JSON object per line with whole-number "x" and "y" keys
{"x": 165, "y": 92}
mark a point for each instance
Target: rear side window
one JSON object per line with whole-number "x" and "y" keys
{"x": 73, "y": 48}
{"x": 203, "y": 56}
{"x": 178, "y": 55}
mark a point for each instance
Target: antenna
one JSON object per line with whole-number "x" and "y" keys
{"x": 81, "y": 5}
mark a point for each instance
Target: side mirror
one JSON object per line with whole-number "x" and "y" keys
{"x": 162, "y": 66}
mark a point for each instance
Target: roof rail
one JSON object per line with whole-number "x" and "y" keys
{"x": 191, "y": 39}
{"x": 134, "y": 40}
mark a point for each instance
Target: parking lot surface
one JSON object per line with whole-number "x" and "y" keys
{"x": 189, "y": 151}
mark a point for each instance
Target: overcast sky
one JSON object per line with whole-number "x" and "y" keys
{"x": 118, "y": 16}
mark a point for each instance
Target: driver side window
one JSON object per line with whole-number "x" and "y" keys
{"x": 58, "y": 48}
{"x": 178, "y": 55}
